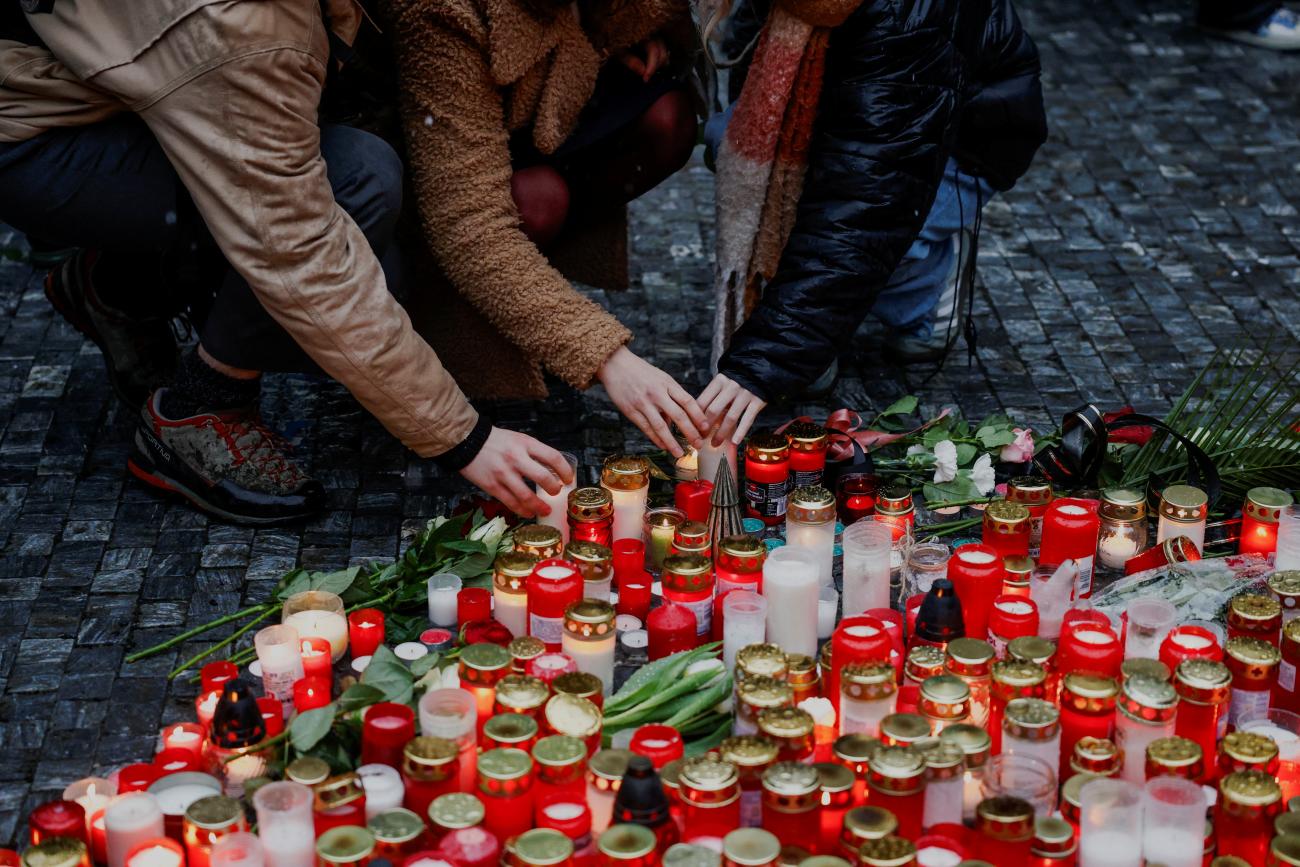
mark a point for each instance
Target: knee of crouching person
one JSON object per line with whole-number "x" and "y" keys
{"x": 366, "y": 173}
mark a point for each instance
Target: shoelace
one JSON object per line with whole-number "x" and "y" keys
{"x": 253, "y": 443}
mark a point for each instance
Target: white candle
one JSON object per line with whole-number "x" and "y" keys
{"x": 1110, "y": 849}
{"x": 278, "y": 650}
{"x": 443, "y": 588}
{"x": 93, "y": 794}
{"x": 559, "y": 503}
{"x": 710, "y": 458}
{"x": 175, "y": 792}
{"x": 383, "y": 787}
{"x": 158, "y": 856}
{"x": 828, "y": 604}
{"x": 453, "y": 714}
{"x": 744, "y": 619}
{"x": 1133, "y": 738}
{"x": 410, "y": 651}
{"x": 867, "y": 546}
{"x": 510, "y": 610}
{"x": 1173, "y": 822}
{"x": 1287, "y": 555}
{"x": 688, "y": 466}
{"x": 285, "y": 824}
{"x": 318, "y": 623}
{"x": 790, "y": 585}
{"x": 129, "y": 820}
{"x": 1110, "y": 824}
{"x": 629, "y": 512}
{"x": 818, "y": 540}
{"x": 240, "y": 849}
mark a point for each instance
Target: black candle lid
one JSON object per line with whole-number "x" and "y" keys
{"x": 237, "y": 721}
{"x": 939, "y": 618}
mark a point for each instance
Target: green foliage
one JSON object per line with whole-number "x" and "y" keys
{"x": 308, "y": 728}
{"x": 389, "y": 676}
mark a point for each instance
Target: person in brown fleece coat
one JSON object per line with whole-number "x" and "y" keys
{"x": 529, "y": 124}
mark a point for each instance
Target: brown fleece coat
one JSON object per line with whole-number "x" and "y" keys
{"x": 472, "y": 72}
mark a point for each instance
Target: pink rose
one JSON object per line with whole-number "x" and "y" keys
{"x": 1021, "y": 450}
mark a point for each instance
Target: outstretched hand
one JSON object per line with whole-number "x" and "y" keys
{"x": 646, "y": 59}
{"x": 729, "y": 410}
{"x": 652, "y": 400}
{"x": 508, "y": 461}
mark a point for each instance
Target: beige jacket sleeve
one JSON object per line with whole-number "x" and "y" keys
{"x": 459, "y": 162}
{"x": 244, "y": 138}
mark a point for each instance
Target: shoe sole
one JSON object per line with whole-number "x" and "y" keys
{"x": 88, "y": 331}
{"x": 150, "y": 476}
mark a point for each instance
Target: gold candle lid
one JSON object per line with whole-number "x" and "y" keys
{"x": 969, "y": 656}
{"x": 802, "y": 669}
{"x": 510, "y": 728}
{"x": 1030, "y": 490}
{"x": 1145, "y": 667}
{"x": 869, "y": 823}
{"x": 1018, "y": 673}
{"x": 748, "y": 751}
{"x": 1006, "y": 517}
{"x": 1031, "y": 648}
{"x": 541, "y": 540}
{"x": 791, "y": 779}
{"x": 889, "y": 851}
{"x": 542, "y": 847}
{"x": 855, "y": 748}
{"x": 945, "y": 697}
{"x": 590, "y": 505}
{"x": 1095, "y": 756}
{"x": 687, "y": 573}
{"x": 582, "y": 551}
{"x": 1204, "y": 681}
{"x": 504, "y": 764}
{"x": 395, "y": 826}
{"x": 1123, "y": 505}
{"x": 570, "y": 715}
{"x": 307, "y": 770}
{"x": 833, "y": 777}
{"x": 708, "y": 779}
{"x": 610, "y": 764}
{"x": 767, "y": 446}
{"x": 762, "y": 659}
{"x": 693, "y": 535}
{"x": 1265, "y": 504}
{"x": 743, "y": 547}
{"x": 625, "y": 473}
{"x": 1147, "y": 699}
{"x": 867, "y": 681}
{"x": 785, "y": 723}
{"x": 904, "y": 728}
{"x": 807, "y": 434}
{"x": 522, "y": 692}
{"x": 765, "y": 692}
{"x": 526, "y": 647}
{"x": 582, "y": 684}
{"x": 1031, "y": 719}
{"x": 1285, "y": 583}
{"x": 894, "y": 501}
{"x": 1250, "y": 789}
{"x": 456, "y": 810}
{"x": 923, "y": 660}
{"x": 627, "y": 842}
{"x": 1255, "y": 607}
{"x": 1019, "y": 568}
{"x": 511, "y": 570}
{"x": 57, "y": 852}
{"x": 1184, "y": 503}
{"x": 589, "y": 620}
{"x": 897, "y": 769}
{"x": 1005, "y": 817}
{"x": 339, "y": 791}
{"x": 811, "y": 504}
{"x": 1249, "y": 748}
{"x": 1072, "y": 789}
{"x": 974, "y": 741}
{"x": 1285, "y": 848}
{"x": 1174, "y": 752}
{"x": 484, "y": 656}
{"x": 750, "y": 847}
{"x": 559, "y": 751}
{"x": 431, "y": 752}
{"x": 345, "y": 844}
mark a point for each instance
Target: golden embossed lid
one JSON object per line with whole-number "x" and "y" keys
{"x": 748, "y": 751}
{"x": 905, "y": 727}
{"x": 535, "y": 538}
{"x": 56, "y": 852}
{"x": 504, "y": 763}
{"x": 855, "y": 748}
{"x": 811, "y": 504}
{"x": 395, "y": 826}
{"x": 708, "y": 773}
{"x": 869, "y": 823}
{"x": 1206, "y": 681}
{"x": 1184, "y": 503}
{"x": 1031, "y": 648}
{"x": 570, "y": 715}
{"x": 541, "y": 847}
{"x": 1249, "y": 748}
{"x": 741, "y": 546}
{"x": 510, "y": 728}
{"x": 1174, "y": 752}
{"x": 485, "y": 656}
{"x": 894, "y": 500}
{"x": 1018, "y": 673}
{"x": 1123, "y": 505}
{"x": 426, "y": 751}
{"x": 511, "y": 570}
{"x": 1250, "y": 789}
{"x": 526, "y": 647}
{"x": 1031, "y": 718}
{"x": 625, "y": 473}
{"x": 456, "y": 810}
{"x": 521, "y": 691}
{"x": 590, "y": 505}
{"x": 897, "y": 763}
{"x": 888, "y": 851}
{"x": 1030, "y": 490}
{"x": 787, "y": 723}
{"x": 559, "y": 751}
{"x": 833, "y": 777}
{"x": 307, "y": 770}
{"x": 627, "y": 842}
{"x": 750, "y": 847}
{"x": 791, "y": 779}
{"x": 1285, "y": 849}
{"x": 969, "y": 656}
{"x": 767, "y": 447}
{"x": 1265, "y": 504}
{"x": 1004, "y": 516}
{"x": 761, "y": 659}
{"x": 583, "y": 684}
{"x": 584, "y": 551}
{"x": 610, "y": 764}
{"x": 1254, "y": 607}
{"x": 763, "y": 692}
{"x": 1145, "y": 667}
{"x": 589, "y": 620}
{"x": 345, "y": 844}
{"x": 1005, "y": 817}
{"x": 973, "y": 740}
{"x": 214, "y": 813}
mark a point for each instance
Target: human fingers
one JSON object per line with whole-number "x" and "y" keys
{"x": 747, "y": 420}
{"x": 693, "y": 412}
{"x": 656, "y": 54}
{"x": 660, "y": 434}
{"x": 521, "y": 499}
{"x": 634, "y": 63}
{"x": 557, "y": 467}
{"x": 712, "y": 390}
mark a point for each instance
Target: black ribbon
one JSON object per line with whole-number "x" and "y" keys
{"x": 1077, "y": 461}
{"x": 860, "y": 464}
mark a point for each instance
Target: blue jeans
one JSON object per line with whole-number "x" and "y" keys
{"x": 913, "y": 290}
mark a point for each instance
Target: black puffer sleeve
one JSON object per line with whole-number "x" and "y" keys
{"x": 883, "y": 135}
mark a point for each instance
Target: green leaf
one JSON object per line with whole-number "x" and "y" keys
{"x": 387, "y": 674}
{"x": 359, "y": 695}
{"x": 960, "y": 488}
{"x": 710, "y": 741}
{"x": 707, "y": 698}
{"x": 466, "y": 546}
{"x": 334, "y": 582}
{"x": 424, "y": 664}
{"x": 935, "y": 435}
{"x": 295, "y": 581}
{"x": 965, "y": 454}
{"x": 905, "y": 405}
{"x": 308, "y": 727}
{"x": 995, "y": 437}
{"x": 647, "y": 679}
{"x": 473, "y": 569}
{"x": 664, "y": 693}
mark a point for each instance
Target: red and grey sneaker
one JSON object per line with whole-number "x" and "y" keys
{"x": 139, "y": 352}
{"x": 227, "y": 464}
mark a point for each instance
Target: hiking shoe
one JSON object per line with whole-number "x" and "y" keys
{"x": 945, "y": 319}
{"x": 227, "y": 464}
{"x": 140, "y": 353}
{"x": 1281, "y": 32}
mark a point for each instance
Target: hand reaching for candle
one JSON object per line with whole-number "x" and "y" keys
{"x": 729, "y": 409}
{"x": 505, "y": 464}
{"x": 651, "y": 400}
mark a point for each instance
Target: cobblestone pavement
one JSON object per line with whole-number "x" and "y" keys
{"x": 1158, "y": 223}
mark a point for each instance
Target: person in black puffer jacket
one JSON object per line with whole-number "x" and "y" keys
{"x": 911, "y": 88}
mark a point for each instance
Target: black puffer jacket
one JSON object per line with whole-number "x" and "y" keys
{"x": 908, "y": 83}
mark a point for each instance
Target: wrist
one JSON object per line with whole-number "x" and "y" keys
{"x": 463, "y": 453}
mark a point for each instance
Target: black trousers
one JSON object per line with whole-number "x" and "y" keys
{"x": 109, "y": 186}
{"x": 1235, "y": 14}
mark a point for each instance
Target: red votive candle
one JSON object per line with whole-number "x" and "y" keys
{"x": 553, "y": 586}
{"x": 385, "y": 730}
{"x": 205, "y": 705}
{"x": 548, "y": 666}
{"x": 767, "y": 476}
{"x": 316, "y": 658}
{"x": 976, "y": 573}
{"x": 1260, "y": 513}
{"x": 1176, "y": 549}
{"x": 629, "y": 562}
{"x": 693, "y": 499}
{"x": 855, "y": 497}
{"x": 1089, "y": 648}
{"x": 1189, "y": 641}
{"x": 473, "y": 603}
{"x": 365, "y": 632}
{"x": 1070, "y": 529}
{"x": 311, "y": 693}
{"x": 1203, "y": 686}
{"x": 176, "y": 761}
{"x": 634, "y": 598}
{"x": 214, "y": 674}
{"x": 57, "y": 819}
{"x": 137, "y": 777}
{"x": 859, "y": 638}
{"x": 183, "y": 736}
{"x": 659, "y": 743}
{"x": 688, "y": 581}
{"x": 272, "y": 711}
{"x": 1011, "y": 617}
{"x": 1087, "y": 710}
{"x": 913, "y": 608}
{"x": 893, "y": 622}
{"x": 671, "y": 629}
{"x": 471, "y": 847}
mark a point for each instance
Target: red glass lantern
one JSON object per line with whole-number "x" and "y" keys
{"x": 365, "y": 631}
{"x": 1070, "y": 530}
{"x": 1259, "y": 519}
{"x": 553, "y": 586}
{"x": 473, "y": 603}
{"x": 385, "y": 731}
{"x": 1189, "y": 641}
{"x": 859, "y": 638}
{"x": 1011, "y": 617}
{"x": 591, "y": 515}
{"x": 659, "y": 743}
{"x": 137, "y": 778}
{"x": 808, "y": 446}
{"x": 57, "y": 819}
{"x": 1248, "y": 803}
{"x": 316, "y": 658}
{"x": 976, "y": 573}
{"x": 1089, "y": 648}
{"x": 767, "y": 477}
{"x": 694, "y": 498}
{"x": 311, "y": 693}
{"x": 1006, "y": 528}
{"x": 855, "y": 497}
{"x": 1203, "y": 687}
{"x": 671, "y": 628}
{"x": 272, "y": 710}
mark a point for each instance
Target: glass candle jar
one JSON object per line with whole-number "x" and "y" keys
{"x": 945, "y": 767}
{"x": 605, "y": 772}
{"x": 975, "y": 745}
{"x": 1041, "y": 651}
{"x": 589, "y": 638}
{"x": 1189, "y": 641}
{"x": 591, "y": 516}
{"x": 1032, "y": 727}
{"x": 1203, "y": 687}
{"x": 627, "y": 846}
{"x": 752, "y": 756}
{"x": 808, "y": 444}
{"x": 859, "y": 638}
{"x": 1175, "y": 757}
{"x": 896, "y": 781}
{"x": 862, "y": 824}
{"x": 790, "y": 584}
{"x": 1019, "y": 571}
{"x": 429, "y": 769}
{"x": 660, "y": 527}
{"x": 553, "y": 586}
{"x": 853, "y": 752}
{"x": 1035, "y": 493}
{"x": 1243, "y": 818}
{"x": 207, "y": 820}
{"x": 1254, "y": 615}
{"x": 810, "y": 524}
{"x": 1087, "y": 710}
{"x": 1144, "y": 713}
{"x": 1123, "y": 529}
{"x": 386, "y": 728}
{"x": 345, "y": 846}
{"x": 692, "y": 537}
{"x": 745, "y": 616}
{"x": 595, "y": 563}
{"x": 627, "y": 478}
{"x": 1254, "y": 664}
{"x": 509, "y": 590}
{"x": 926, "y": 563}
{"x": 867, "y": 545}
{"x": 1005, "y": 825}
{"x": 1070, "y": 531}
{"x": 971, "y": 659}
{"x": 767, "y": 477}
{"x": 453, "y": 714}
{"x": 505, "y": 783}
{"x": 739, "y": 564}
{"x": 790, "y": 803}
{"x": 710, "y": 794}
{"x": 688, "y": 581}
{"x": 1024, "y": 777}
{"x": 976, "y": 573}
{"x": 867, "y": 695}
{"x": 280, "y": 654}
{"x": 791, "y": 729}
{"x": 855, "y": 496}
{"x": 317, "y": 614}
{"x": 835, "y": 783}
{"x": 1091, "y": 648}
{"x": 1006, "y": 528}
{"x": 945, "y": 701}
{"x": 1259, "y": 519}
{"x": 1011, "y": 617}
{"x": 482, "y": 666}
{"x": 1183, "y": 510}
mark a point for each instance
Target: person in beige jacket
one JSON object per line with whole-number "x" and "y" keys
{"x": 228, "y": 90}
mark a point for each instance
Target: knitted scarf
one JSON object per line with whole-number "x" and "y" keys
{"x": 764, "y": 153}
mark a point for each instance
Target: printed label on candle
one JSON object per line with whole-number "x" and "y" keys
{"x": 548, "y": 629}
{"x": 767, "y": 498}
{"x": 751, "y": 809}
{"x": 1247, "y": 704}
{"x": 1083, "y": 587}
{"x": 1286, "y": 676}
{"x": 279, "y": 684}
{"x": 703, "y": 611}
{"x": 804, "y": 478}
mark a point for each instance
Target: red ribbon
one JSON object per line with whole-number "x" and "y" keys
{"x": 846, "y": 428}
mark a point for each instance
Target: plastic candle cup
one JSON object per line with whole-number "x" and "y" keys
{"x": 1070, "y": 530}
{"x": 365, "y": 631}
{"x": 866, "y": 546}
{"x": 693, "y": 499}
{"x": 790, "y": 582}
{"x": 1035, "y": 493}
{"x": 711, "y": 457}
{"x": 285, "y": 824}
{"x": 1259, "y": 519}
{"x": 628, "y": 557}
{"x": 855, "y": 497}
{"x": 552, "y": 587}
{"x": 688, "y": 581}
{"x": 1122, "y": 531}
{"x": 318, "y": 614}
{"x": 430, "y": 769}
{"x": 1006, "y": 528}
{"x": 1011, "y": 617}
{"x": 158, "y": 852}
{"x": 1178, "y": 549}
{"x": 130, "y": 819}
{"x": 311, "y": 693}
{"x": 1183, "y": 510}
{"x": 860, "y": 638}
{"x": 660, "y": 525}
{"x": 240, "y": 849}
{"x": 1243, "y": 818}
{"x": 627, "y": 478}
{"x": 557, "y": 517}
{"x": 710, "y": 798}
{"x": 182, "y": 736}
{"x": 867, "y": 695}
{"x": 57, "y": 819}
{"x": 791, "y": 796}
{"x": 591, "y": 516}
{"x": 693, "y": 537}
{"x": 473, "y": 604}
{"x": 1288, "y": 539}
{"x": 279, "y": 652}
{"x": 896, "y": 781}
{"x": 605, "y": 772}
{"x": 926, "y": 563}
{"x": 452, "y": 714}
{"x": 386, "y": 727}
{"x": 1149, "y": 620}
{"x": 174, "y": 761}
{"x": 1145, "y": 713}
{"x": 505, "y": 785}
{"x": 828, "y": 606}
{"x": 138, "y": 777}
{"x": 809, "y": 443}
{"x": 1283, "y": 728}
{"x": 1087, "y": 710}
{"x": 1203, "y": 686}
{"x": 1254, "y": 666}
{"x": 1173, "y": 822}
{"x": 509, "y": 590}
{"x": 810, "y": 524}
{"x": 272, "y": 711}
{"x": 589, "y": 638}
{"x": 745, "y": 614}
{"x": 1090, "y": 647}
{"x": 93, "y": 795}
{"x": 976, "y": 573}
{"x": 1110, "y": 824}
{"x": 443, "y": 588}
{"x": 1189, "y": 641}
{"x": 634, "y": 598}
{"x": 316, "y": 659}
{"x": 214, "y": 674}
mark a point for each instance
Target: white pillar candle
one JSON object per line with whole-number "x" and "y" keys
{"x": 790, "y": 585}
{"x": 744, "y": 622}
{"x": 589, "y": 638}
{"x": 93, "y": 794}
{"x": 285, "y": 824}
{"x": 1287, "y": 555}
{"x": 1110, "y": 824}
{"x": 318, "y": 614}
{"x": 129, "y": 820}
{"x": 867, "y": 545}
{"x": 383, "y": 787}
{"x": 157, "y": 855}
{"x": 710, "y": 458}
{"x": 817, "y": 539}
{"x": 240, "y": 849}
{"x": 278, "y": 651}
{"x": 627, "y": 479}
{"x": 443, "y": 588}
{"x": 559, "y": 503}
{"x": 510, "y": 610}
{"x": 1173, "y": 822}
{"x": 828, "y": 604}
